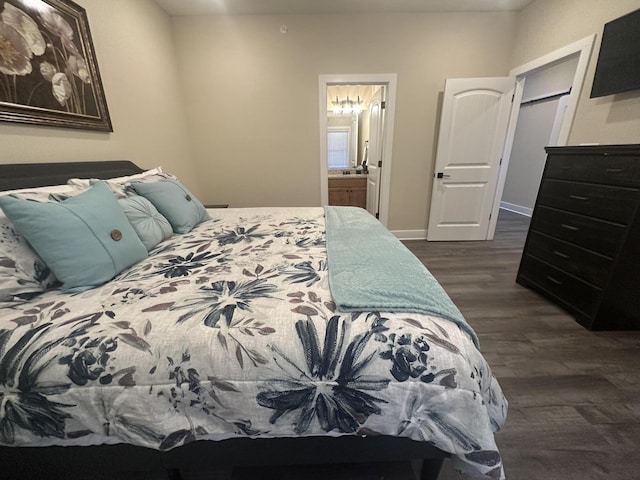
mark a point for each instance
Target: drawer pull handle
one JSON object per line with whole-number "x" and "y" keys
{"x": 561, "y": 255}
{"x": 615, "y": 170}
{"x": 570, "y": 227}
{"x": 554, "y": 280}
{"x": 578, "y": 197}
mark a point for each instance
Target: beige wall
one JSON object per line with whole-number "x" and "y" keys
{"x": 546, "y": 25}
{"x": 136, "y": 58}
{"x": 252, "y": 96}
{"x": 230, "y": 105}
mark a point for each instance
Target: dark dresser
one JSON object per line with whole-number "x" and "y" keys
{"x": 583, "y": 246}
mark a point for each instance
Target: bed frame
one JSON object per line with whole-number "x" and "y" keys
{"x": 57, "y": 462}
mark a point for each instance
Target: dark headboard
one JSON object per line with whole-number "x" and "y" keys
{"x": 27, "y": 175}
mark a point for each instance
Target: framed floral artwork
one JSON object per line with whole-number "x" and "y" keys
{"x": 48, "y": 69}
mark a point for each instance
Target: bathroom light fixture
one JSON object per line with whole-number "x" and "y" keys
{"x": 347, "y": 107}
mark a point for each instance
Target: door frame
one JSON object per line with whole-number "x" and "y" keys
{"x": 389, "y": 80}
{"x": 584, "y": 48}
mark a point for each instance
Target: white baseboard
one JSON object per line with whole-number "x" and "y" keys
{"x": 527, "y": 212}
{"x": 410, "y": 234}
{"x": 422, "y": 234}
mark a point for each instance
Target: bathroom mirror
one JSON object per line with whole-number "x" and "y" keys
{"x": 342, "y": 141}
{"x": 347, "y": 114}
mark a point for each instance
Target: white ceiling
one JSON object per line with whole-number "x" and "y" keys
{"x": 269, "y": 7}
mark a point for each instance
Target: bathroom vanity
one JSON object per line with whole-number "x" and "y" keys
{"x": 348, "y": 190}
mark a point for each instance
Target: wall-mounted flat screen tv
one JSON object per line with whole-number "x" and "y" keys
{"x": 618, "y": 67}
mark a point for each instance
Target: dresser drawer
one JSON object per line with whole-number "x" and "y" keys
{"x": 597, "y": 235}
{"x": 603, "y": 169}
{"x": 588, "y": 266}
{"x": 614, "y": 204}
{"x": 567, "y": 289}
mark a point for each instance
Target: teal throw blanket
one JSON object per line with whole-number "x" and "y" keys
{"x": 371, "y": 270}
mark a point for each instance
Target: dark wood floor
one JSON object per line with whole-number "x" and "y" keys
{"x": 574, "y": 395}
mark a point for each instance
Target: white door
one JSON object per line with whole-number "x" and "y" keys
{"x": 376, "y": 123}
{"x": 473, "y": 129}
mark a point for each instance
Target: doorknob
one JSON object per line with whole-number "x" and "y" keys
{"x": 442, "y": 175}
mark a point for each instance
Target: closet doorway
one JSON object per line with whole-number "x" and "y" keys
{"x": 564, "y": 113}
{"x": 542, "y": 110}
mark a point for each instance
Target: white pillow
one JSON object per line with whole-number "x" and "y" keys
{"x": 87, "y": 182}
{"x": 121, "y": 186}
{"x": 40, "y": 192}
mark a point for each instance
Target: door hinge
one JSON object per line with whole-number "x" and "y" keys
{"x": 513, "y": 96}
{"x": 379, "y": 163}
{"x": 383, "y": 105}
{"x": 490, "y": 216}
{"x": 500, "y": 161}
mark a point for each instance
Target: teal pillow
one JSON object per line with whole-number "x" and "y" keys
{"x": 85, "y": 240}
{"x": 172, "y": 199}
{"x": 151, "y": 227}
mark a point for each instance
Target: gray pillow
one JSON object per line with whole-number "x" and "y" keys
{"x": 149, "y": 224}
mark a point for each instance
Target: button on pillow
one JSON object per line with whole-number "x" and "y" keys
{"x": 149, "y": 224}
{"x": 172, "y": 199}
{"x": 76, "y": 238}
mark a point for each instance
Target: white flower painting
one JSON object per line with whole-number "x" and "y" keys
{"x": 48, "y": 71}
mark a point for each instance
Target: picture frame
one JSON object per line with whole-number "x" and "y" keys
{"x": 48, "y": 69}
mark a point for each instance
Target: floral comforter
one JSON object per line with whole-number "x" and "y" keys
{"x": 231, "y": 330}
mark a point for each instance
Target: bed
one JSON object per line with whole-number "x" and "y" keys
{"x": 257, "y": 336}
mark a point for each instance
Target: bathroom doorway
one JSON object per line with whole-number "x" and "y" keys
{"x": 364, "y": 107}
